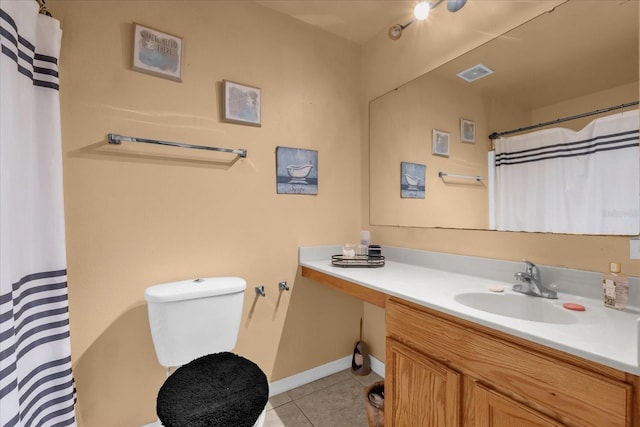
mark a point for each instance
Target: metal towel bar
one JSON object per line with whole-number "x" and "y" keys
{"x": 453, "y": 175}
{"x": 113, "y": 138}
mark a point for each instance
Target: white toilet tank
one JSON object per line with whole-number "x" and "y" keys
{"x": 193, "y": 318}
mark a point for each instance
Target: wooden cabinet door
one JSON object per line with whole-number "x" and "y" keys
{"x": 496, "y": 410}
{"x": 419, "y": 392}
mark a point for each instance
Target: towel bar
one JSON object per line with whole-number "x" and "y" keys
{"x": 113, "y": 138}
{"x": 453, "y": 175}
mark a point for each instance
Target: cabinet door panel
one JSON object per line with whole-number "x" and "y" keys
{"x": 496, "y": 410}
{"x": 421, "y": 392}
{"x": 571, "y": 392}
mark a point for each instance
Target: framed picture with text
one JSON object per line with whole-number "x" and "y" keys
{"x": 157, "y": 53}
{"x": 296, "y": 171}
{"x": 412, "y": 180}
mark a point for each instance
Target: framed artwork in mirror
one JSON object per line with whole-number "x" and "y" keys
{"x": 467, "y": 131}
{"x": 412, "y": 182}
{"x": 440, "y": 143}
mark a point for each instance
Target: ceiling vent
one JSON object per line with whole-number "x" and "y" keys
{"x": 474, "y": 73}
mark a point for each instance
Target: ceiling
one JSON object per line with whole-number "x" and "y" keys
{"x": 546, "y": 61}
{"x": 601, "y": 30}
{"x": 355, "y": 20}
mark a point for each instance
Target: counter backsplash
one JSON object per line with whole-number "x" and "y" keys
{"x": 575, "y": 282}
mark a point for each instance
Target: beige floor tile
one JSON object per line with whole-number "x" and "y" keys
{"x": 320, "y": 384}
{"x": 334, "y": 401}
{"x": 339, "y": 405}
{"x": 287, "y": 415}
{"x": 368, "y": 379}
{"x": 278, "y": 400}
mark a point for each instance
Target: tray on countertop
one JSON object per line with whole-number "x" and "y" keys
{"x": 358, "y": 261}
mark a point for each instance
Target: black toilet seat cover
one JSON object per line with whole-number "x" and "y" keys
{"x": 221, "y": 389}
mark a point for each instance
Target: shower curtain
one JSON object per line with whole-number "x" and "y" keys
{"x": 36, "y": 383}
{"x": 562, "y": 181}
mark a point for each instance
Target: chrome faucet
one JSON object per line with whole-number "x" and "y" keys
{"x": 531, "y": 283}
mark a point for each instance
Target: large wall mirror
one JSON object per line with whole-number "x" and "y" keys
{"x": 580, "y": 57}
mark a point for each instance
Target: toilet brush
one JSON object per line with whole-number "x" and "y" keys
{"x": 360, "y": 363}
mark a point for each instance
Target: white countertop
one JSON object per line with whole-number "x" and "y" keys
{"x": 600, "y": 334}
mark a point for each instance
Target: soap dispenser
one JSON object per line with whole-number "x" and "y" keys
{"x": 615, "y": 287}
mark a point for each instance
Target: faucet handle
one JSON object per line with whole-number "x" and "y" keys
{"x": 532, "y": 269}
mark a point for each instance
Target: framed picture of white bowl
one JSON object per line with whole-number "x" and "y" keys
{"x": 440, "y": 143}
{"x": 296, "y": 171}
{"x": 467, "y": 131}
{"x": 412, "y": 180}
{"x": 157, "y": 53}
{"x": 241, "y": 104}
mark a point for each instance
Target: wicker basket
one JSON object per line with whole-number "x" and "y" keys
{"x": 374, "y": 399}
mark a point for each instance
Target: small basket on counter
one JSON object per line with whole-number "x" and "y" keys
{"x": 358, "y": 261}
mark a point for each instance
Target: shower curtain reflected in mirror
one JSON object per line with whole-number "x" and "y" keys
{"x": 562, "y": 181}
{"x": 36, "y": 382}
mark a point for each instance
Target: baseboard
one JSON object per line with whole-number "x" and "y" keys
{"x": 313, "y": 374}
{"x": 377, "y": 366}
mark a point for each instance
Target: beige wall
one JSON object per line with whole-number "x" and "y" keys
{"x": 135, "y": 219}
{"x": 591, "y": 102}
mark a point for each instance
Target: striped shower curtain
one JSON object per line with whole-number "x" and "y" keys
{"x": 36, "y": 383}
{"x": 564, "y": 181}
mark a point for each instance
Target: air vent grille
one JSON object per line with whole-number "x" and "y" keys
{"x": 474, "y": 73}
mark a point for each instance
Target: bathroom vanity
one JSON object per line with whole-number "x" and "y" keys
{"x": 449, "y": 364}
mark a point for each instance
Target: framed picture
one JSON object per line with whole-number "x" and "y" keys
{"x": 467, "y": 131}
{"x": 157, "y": 53}
{"x": 296, "y": 171}
{"x": 241, "y": 104}
{"x": 440, "y": 143}
{"x": 412, "y": 180}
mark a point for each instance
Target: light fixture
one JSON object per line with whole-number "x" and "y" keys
{"x": 455, "y": 5}
{"x": 395, "y": 31}
{"x": 421, "y": 12}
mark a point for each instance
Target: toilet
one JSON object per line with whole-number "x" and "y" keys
{"x": 194, "y": 325}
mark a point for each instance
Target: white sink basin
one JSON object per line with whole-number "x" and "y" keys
{"x": 518, "y": 306}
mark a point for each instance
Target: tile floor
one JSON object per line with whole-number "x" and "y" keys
{"x": 333, "y": 401}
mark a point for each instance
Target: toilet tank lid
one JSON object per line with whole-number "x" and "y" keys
{"x": 194, "y": 288}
